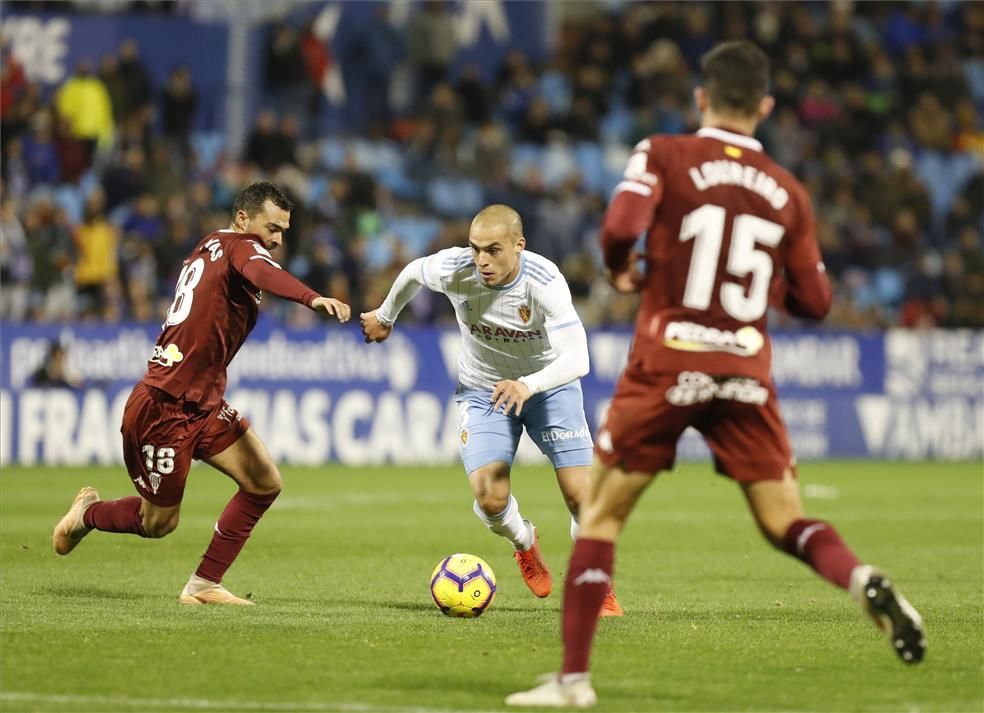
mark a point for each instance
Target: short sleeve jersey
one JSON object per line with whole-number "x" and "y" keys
{"x": 214, "y": 310}
{"x": 503, "y": 328}
{"x": 729, "y": 222}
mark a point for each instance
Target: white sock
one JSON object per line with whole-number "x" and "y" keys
{"x": 575, "y": 527}
{"x": 859, "y": 578}
{"x": 569, "y": 679}
{"x": 509, "y": 524}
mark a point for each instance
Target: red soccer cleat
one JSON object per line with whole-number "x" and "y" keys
{"x": 534, "y": 569}
{"x": 611, "y": 607}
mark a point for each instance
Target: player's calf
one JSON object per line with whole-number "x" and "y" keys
{"x": 891, "y": 612}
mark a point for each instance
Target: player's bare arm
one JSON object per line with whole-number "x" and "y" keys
{"x": 373, "y": 329}
{"x": 510, "y": 395}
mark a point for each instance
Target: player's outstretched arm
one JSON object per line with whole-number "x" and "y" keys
{"x": 254, "y": 262}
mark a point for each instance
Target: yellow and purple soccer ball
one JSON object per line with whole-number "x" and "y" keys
{"x": 463, "y": 585}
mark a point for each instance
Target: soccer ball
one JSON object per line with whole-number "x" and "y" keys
{"x": 463, "y": 585}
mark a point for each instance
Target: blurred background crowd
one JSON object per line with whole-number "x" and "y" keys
{"x": 107, "y": 183}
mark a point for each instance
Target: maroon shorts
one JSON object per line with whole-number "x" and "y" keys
{"x": 162, "y": 435}
{"x": 738, "y": 417}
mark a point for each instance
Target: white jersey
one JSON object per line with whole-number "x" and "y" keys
{"x": 504, "y": 329}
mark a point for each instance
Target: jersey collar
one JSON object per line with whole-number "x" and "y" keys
{"x": 729, "y": 137}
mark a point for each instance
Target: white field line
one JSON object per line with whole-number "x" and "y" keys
{"x": 154, "y": 704}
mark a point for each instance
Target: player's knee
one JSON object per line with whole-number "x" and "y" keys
{"x": 492, "y": 502}
{"x": 573, "y": 501}
{"x": 266, "y": 480}
{"x": 157, "y": 527}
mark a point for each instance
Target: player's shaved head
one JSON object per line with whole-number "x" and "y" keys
{"x": 498, "y": 214}
{"x": 736, "y": 77}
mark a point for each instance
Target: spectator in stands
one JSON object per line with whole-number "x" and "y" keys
{"x": 137, "y": 87}
{"x": 179, "y": 104}
{"x": 84, "y": 102}
{"x": 431, "y": 44}
{"x": 54, "y": 372}
{"x": 53, "y": 257}
{"x": 474, "y": 94}
{"x": 15, "y": 264}
{"x": 40, "y": 155}
{"x": 125, "y": 178}
{"x": 98, "y": 266}
{"x": 13, "y": 82}
{"x": 267, "y": 147}
{"x": 109, "y": 75}
{"x": 373, "y": 52}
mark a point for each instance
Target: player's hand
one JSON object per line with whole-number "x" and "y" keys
{"x": 630, "y": 279}
{"x": 374, "y": 330}
{"x": 330, "y": 306}
{"x": 509, "y": 395}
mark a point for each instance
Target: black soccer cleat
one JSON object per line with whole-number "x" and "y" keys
{"x": 896, "y": 617}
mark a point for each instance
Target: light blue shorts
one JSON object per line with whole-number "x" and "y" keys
{"x": 554, "y": 419}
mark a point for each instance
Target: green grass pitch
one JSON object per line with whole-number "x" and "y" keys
{"x": 339, "y": 568}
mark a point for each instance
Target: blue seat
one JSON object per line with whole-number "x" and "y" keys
{"x": 415, "y": 233}
{"x": 71, "y": 200}
{"x": 591, "y": 164}
{"x": 208, "y": 146}
{"x": 454, "y": 196}
{"x": 332, "y": 152}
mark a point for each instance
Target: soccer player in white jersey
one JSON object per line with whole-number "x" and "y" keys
{"x": 524, "y": 352}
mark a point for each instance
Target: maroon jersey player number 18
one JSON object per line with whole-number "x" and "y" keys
{"x": 177, "y": 413}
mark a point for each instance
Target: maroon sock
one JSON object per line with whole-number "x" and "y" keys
{"x": 817, "y": 543}
{"x": 121, "y": 515}
{"x": 231, "y": 532}
{"x": 589, "y": 576}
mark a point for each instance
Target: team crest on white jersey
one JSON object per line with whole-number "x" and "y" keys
{"x": 525, "y": 313}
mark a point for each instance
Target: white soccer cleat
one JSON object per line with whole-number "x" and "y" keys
{"x": 891, "y": 612}
{"x": 556, "y": 691}
{"x": 202, "y": 591}
{"x": 71, "y": 528}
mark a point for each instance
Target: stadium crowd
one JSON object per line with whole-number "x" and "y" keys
{"x": 107, "y": 185}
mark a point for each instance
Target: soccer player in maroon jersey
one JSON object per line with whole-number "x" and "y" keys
{"x": 177, "y": 412}
{"x": 726, "y": 230}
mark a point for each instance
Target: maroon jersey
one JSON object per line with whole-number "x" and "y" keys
{"x": 726, "y": 230}
{"x": 215, "y": 306}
